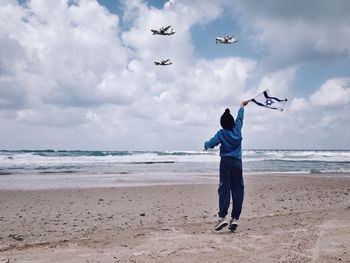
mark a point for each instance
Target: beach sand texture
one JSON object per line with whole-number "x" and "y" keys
{"x": 284, "y": 219}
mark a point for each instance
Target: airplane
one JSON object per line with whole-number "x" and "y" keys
{"x": 165, "y": 62}
{"x": 226, "y": 40}
{"x": 163, "y": 31}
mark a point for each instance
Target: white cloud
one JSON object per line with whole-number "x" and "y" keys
{"x": 334, "y": 93}
{"x": 322, "y": 119}
{"x": 51, "y": 116}
{"x": 61, "y": 56}
{"x": 298, "y": 104}
{"x": 297, "y": 31}
{"x": 278, "y": 82}
{"x": 71, "y": 66}
{"x": 219, "y": 81}
{"x": 329, "y": 121}
{"x": 69, "y": 71}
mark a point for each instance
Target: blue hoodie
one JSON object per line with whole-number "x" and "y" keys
{"x": 230, "y": 140}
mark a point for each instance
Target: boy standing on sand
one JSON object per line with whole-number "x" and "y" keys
{"x": 231, "y": 178}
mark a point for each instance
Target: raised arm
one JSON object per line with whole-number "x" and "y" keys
{"x": 240, "y": 115}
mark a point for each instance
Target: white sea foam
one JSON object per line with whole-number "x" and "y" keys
{"x": 72, "y": 168}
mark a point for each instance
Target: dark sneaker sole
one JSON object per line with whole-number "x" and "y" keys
{"x": 233, "y": 227}
{"x": 219, "y": 227}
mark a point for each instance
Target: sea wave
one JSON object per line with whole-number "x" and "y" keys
{"x": 33, "y": 161}
{"x": 298, "y": 155}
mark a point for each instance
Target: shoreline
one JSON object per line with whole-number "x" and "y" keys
{"x": 55, "y": 182}
{"x": 284, "y": 218}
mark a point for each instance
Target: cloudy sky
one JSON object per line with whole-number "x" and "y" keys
{"x": 79, "y": 74}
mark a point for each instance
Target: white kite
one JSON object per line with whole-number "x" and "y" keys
{"x": 265, "y": 100}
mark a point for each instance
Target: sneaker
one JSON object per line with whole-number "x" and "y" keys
{"x": 221, "y": 224}
{"x": 233, "y": 225}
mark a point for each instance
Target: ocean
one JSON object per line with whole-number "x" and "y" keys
{"x": 50, "y": 169}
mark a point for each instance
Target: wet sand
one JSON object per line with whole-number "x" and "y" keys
{"x": 284, "y": 219}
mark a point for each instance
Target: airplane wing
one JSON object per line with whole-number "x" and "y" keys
{"x": 166, "y": 28}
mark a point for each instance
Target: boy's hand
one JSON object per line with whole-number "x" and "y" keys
{"x": 244, "y": 103}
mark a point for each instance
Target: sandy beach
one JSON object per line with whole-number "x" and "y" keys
{"x": 285, "y": 219}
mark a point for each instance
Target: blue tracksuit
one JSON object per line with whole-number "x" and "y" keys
{"x": 231, "y": 179}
